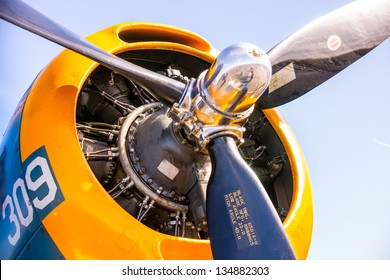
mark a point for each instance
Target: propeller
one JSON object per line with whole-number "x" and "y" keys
{"x": 162, "y": 88}
{"x": 242, "y": 221}
{"x": 323, "y": 48}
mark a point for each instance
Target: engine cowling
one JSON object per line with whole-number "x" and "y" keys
{"x": 130, "y": 190}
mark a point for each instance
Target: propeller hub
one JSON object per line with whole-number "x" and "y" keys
{"x": 223, "y": 97}
{"x": 232, "y": 85}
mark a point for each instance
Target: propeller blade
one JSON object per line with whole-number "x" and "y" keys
{"x": 242, "y": 221}
{"x": 18, "y": 13}
{"x": 323, "y": 48}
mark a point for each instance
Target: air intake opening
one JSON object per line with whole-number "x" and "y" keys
{"x": 147, "y": 33}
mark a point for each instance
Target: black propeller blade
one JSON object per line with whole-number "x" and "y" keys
{"x": 164, "y": 89}
{"x": 323, "y": 48}
{"x": 243, "y": 223}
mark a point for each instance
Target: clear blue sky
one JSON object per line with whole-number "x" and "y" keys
{"x": 342, "y": 125}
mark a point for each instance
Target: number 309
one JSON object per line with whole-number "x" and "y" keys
{"x": 16, "y": 202}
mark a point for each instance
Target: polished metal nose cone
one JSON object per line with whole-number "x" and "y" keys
{"x": 234, "y": 82}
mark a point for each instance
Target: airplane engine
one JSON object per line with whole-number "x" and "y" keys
{"x": 140, "y": 156}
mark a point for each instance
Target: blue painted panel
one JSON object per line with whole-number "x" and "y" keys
{"x": 41, "y": 247}
{"x": 13, "y": 234}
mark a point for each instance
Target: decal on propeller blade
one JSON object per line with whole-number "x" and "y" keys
{"x": 243, "y": 226}
{"x": 282, "y": 77}
{"x": 334, "y": 42}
